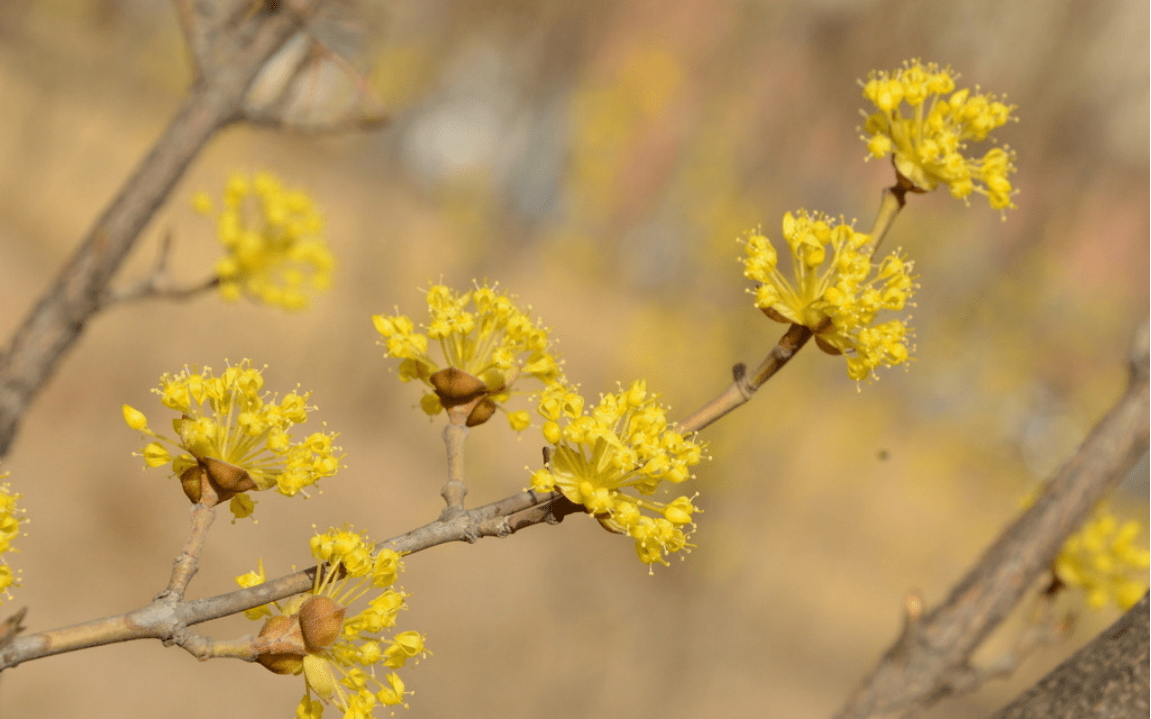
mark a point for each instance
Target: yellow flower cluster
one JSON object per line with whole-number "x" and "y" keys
{"x": 928, "y": 144}
{"x": 837, "y": 291}
{"x": 10, "y": 518}
{"x": 240, "y": 441}
{"x": 278, "y": 257}
{"x": 487, "y": 343}
{"x": 1101, "y": 560}
{"x": 313, "y": 634}
{"x": 623, "y": 443}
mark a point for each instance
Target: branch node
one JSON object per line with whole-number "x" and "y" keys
{"x": 12, "y": 626}
{"x": 471, "y": 533}
{"x": 912, "y": 616}
{"x": 738, "y": 370}
{"x": 180, "y": 637}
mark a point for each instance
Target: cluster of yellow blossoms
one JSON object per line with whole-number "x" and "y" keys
{"x": 927, "y": 145}
{"x": 623, "y": 443}
{"x": 313, "y": 634}
{"x": 278, "y": 256}
{"x": 1101, "y": 560}
{"x": 837, "y": 290}
{"x": 612, "y": 458}
{"x": 240, "y": 441}
{"x": 11, "y": 517}
{"x": 487, "y": 343}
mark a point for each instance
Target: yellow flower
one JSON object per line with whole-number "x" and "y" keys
{"x": 837, "y": 291}
{"x": 622, "y": 445}
{"x": 235, "y": 438}
{"x": 928, "y": 144}
{"x": 251, "y": 579}
{"x": 487, "y": 344}
{"x": 275, "y": 251}
{"x": 1101, "y": 560}
{"x": 313, "y": 634}
{"x": 11, "y": 517}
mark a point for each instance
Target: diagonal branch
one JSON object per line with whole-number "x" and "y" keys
{"x": 215, "y": 100}
{"x": 930, "y": 659}
{"x": 743, "y": 386}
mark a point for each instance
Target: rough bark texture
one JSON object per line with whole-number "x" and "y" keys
{"x": 1107, "y": 679}
{"x": 931, "y": 659}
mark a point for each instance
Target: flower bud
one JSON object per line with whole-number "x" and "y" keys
{"x": 495, "y": 379}
{"x": 281, "y": 630}
{"x": 520, "y": 420}
{"x": 135, "y": 418}
{"x": 431, "y": 405}
{"x": 481, "y": 413}
{"x": 455, "y": 387}
{"x": 228, "y": 478}
{"x": 321, "y": 620}
{"x": 679, "y": 511}
{"x": 190, "y": 482}
{"x": 155, "y": 455}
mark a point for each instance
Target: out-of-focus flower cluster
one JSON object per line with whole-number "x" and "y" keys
{"x": 622, "y": 445}
{"x": 338, "y": 654}
{"x": 234, "y": 437}
{"x": 487, "y": 344}
{"x": 609, "y": 111}
{"x": 11, "y": 517}
{"x": 928, "y": 144}
{"x": 837, "y": 291}
{"x": 1101, "y": 559}
{"x": 275, "y": 251}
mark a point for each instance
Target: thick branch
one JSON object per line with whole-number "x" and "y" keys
{"x": 930, "y": 659}
{"x": 1107, "y": 678}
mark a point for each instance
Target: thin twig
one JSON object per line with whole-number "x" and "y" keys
{"x": 892, "y": 201}
{"x": 152, "y": 288}
{"x": 456, "y": 431}
{"x": 157, "y": 285}
{"x": 169, "y": 620}
{"x": 185, "y": 566}
{"x": 743, "y": 386}
{"x": 337, "y": 126}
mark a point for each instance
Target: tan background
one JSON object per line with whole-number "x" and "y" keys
{"x": 520, "y": 153}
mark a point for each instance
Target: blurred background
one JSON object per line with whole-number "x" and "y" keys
{"x": 598, "y": 159}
